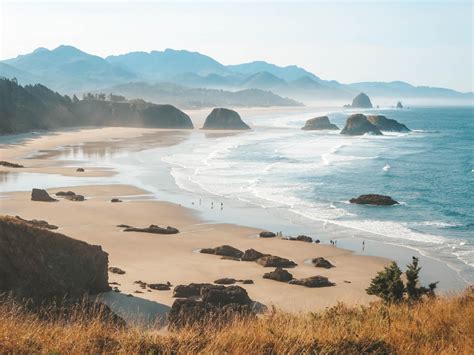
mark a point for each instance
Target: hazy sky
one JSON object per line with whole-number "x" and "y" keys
{"x": 424, "y": 43}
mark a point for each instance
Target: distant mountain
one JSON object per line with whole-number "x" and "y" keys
{"x": 67, "y": 68}
{"x": 186, "y": 97}
{"x": 288, "y": 73}
{"x": 164, "y": 65}
{"x": 263, "y": 80}
{"x": 404, "y": 90}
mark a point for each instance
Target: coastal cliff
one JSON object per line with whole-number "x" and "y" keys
{"x": 35, "y": 107}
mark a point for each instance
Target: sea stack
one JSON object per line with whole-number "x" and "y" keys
{"x": 319, "y": 123}
{"x": 358, "y": 124}
{"x": 223, "y": 118}
{"x": 386, "y": 124}
{"x": 399, "y": 104}
{"x": 361, "y": 101}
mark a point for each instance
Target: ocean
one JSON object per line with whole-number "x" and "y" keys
{"x": 279, "y": 177}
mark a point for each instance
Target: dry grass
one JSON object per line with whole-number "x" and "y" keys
{"x": 443, "y": 325}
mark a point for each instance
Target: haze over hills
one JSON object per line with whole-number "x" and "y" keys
{"x": 70, "y": 70}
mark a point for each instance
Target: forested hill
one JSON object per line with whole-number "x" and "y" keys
{"x": 35, "y": 107}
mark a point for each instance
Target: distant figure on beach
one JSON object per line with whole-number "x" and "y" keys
{"x": 222, "y": 206}
{"x": 363, "y": 245}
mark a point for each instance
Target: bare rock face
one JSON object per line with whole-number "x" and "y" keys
{"x": 266, "y": 234}
{"x": 321, "y": 262}
{"x": 361, "y": 101}
{"x": 386, "y": 124}
{"x": 374, "y": 199}
{"x": 278, "y": 274}
{"x": 275, "y": 261}
{"x": 37, "y": 223}
{"x": 358, "y": 124}
{"x": 152, "y": 229}
{"x": 223, "y": 118}
{"x": 319, "y": 123}
{"x": 38, "y": 264}
{"x": 301, "y": 238}
{"x": 10, "y": 165}
{"x": 251, "y": 255}
{"x": 314, "y": 281}
{"x": 213, "y": 303}
{"x": 41, "y": 195}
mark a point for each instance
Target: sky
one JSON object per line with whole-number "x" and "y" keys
{"x": 421, "y": 42}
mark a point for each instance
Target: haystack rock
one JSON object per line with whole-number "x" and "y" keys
{"x": 386, "y": 124}
{"x": 358, "y": 124}
{"x": 399, "y": 104}
{"x": 361, "y": 101}
{"x": 41, "y": 265}
{"x": 223, "y": 118}
{"x": 319, "y": 123}
{"x": 374, "y": 199}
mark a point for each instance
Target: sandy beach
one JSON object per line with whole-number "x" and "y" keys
{"x": 156, "y": 258}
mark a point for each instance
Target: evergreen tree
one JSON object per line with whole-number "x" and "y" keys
{"x": 414, "y": 292}
{"x": 388, "y": 284}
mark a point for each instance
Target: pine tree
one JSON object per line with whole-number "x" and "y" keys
{"x": 414, "y": 292}
{"x": 388, "y": 284}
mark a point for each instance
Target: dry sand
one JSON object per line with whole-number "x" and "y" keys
{"x": 156, "y": 258}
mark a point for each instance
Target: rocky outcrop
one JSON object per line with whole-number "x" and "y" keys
{"x": 275, "y": 261}
{"x": 314, "y": 281}
{"x": 65, "y": 193}
{"x": 321, "y": 262}
{"x": 37, "y": 223}
{"x": 115, "y": 200}
{"x": 214, "y": 303}
{"x": 10, "y": 165}
{"x": 75, "y": 198}
{"x": 224, "y": 250}
{"x": 361, "y": 101}
{"x": 41, "y": 195}
{"x": 225, "y": 281}
{"x": 152, "y": 229}
{"x": 38, "y": 264}
{"x": 80, "y": 170}
{"x": 374, "y": 199}
{"x": 319, "y": 123}
{"x": 266, "y": 234}
{"x": 301, "y": 238}
{"x": 223, "y": 118}
{"x": 386, "y": 124}
{"x": 191, "y": 290}
{"x": 358, "y": 124}
{"x": 399, "y": 104}
{"x": 251, "y": 255}
{"x": 159, "y": 287}
{"x": 278, "y": 274}
{"x": 116, "y": 270}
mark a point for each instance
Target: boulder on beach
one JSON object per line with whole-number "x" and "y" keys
{"x": 275, "y": 261}
{"x": 10, "y": 165}
{"x": 80, "y": 170}
{"x": 37, "y": 223}
{"x": 386, "y": 124}
{"x": 251, "y": 255}
{"x": 159, "y": 287}
{"x": 65, "y": 193}
{"x": 41, "y": 265}
{"x": 191, "y": 290}
{"x": 301, "y": 238}
{"x": 358, "y": 124}
{"x": 225, "y": 281}
{"x": 224, "y": 250}
{"x": 223, "y": 118}
{"x": 115, "y": 200}
{"x": 319, "y": 123}
{"x": 41, "y": 195}
{"x": 266, "y": 234}
{"x": 313, "y": 281}
{"x": 153, "y": 229}
{"x": 278, "y": 274}
{"x": 361, "y": 101}
{"x": 374, "y": 199}
{"x": 321, "y": 262}
{"x": 75, "y": 198}
{"x": 116, "y": 270}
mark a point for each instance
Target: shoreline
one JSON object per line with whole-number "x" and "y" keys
{"x": 46, "y": 165}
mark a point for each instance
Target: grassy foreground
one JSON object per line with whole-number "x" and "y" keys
{"x": 441, "y": 325}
